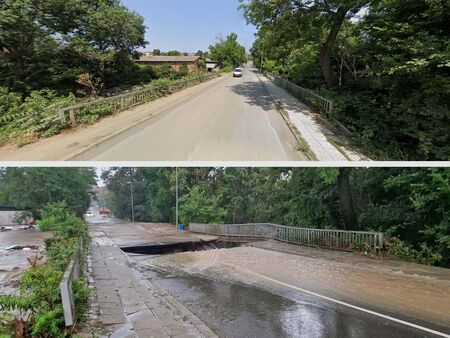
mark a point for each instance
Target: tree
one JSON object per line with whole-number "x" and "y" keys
{"x": 173, "y": 53}
{"x": 50, "y": 43}
{"x": 228, "y": 52}
{"x": 346, "y": 200}
{"x": 391, "y": 67}
{"x": 33, "y": 188}
{"x": 156, "y": 52}
{"x": 306, "y": 14}
{"x": 410, "y": 206}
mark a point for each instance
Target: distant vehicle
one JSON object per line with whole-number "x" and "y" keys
{"x": 90, "y": 213}
{"x": 238, "y": 72}
{"x": 104, "y": 211}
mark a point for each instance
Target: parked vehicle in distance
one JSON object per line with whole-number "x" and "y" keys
{"x": 238, "y": 72}
{"x": 90, "y": 213}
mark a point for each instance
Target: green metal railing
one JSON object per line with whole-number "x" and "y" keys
{"x": 122, "y": 102}
{"x": 329, "y": 239}
{"x": 305, "y": 95}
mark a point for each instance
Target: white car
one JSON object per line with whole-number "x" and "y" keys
{"x": 238, "y": 72}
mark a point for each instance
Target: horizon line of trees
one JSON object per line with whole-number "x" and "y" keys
{"x": 411, "y": 206}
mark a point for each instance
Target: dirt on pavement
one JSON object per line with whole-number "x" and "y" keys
{"x": 385, "y": 286}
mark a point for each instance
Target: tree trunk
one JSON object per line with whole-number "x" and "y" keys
{"x": 346, "y": 200}
{"x": 327, "y": 49}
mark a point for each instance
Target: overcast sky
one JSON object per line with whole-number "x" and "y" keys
{"x": 190, "y": 25}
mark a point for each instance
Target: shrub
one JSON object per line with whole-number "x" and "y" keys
{"x": 57, "y": 218}
{"x": 39, "y": 286}
{"x": 424, "y": 255}
{"x": 35, "y": 116}
{"x": 227, "y": 69}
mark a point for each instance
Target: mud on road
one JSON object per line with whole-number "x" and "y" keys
{"x": 414, "y": 297}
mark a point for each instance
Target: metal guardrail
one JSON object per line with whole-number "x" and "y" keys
{"x": 307, "y": 96}
{"x": 265, "y": 231}
{"x": 328, "y": 239}
{"x": 122, "y": 102}
{"x": 72, "y": 274}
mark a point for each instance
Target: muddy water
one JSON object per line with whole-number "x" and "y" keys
{"x": 14, "y": 262}
{"x": 238, "y": 310}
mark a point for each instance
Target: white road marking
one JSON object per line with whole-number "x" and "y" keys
{"x": 437, "y": 333}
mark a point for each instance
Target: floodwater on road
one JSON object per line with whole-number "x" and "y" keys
{"x": 14, "y": 262}
{"x": 234, "y": 309}
{"x": 238, "y": 310}
{"x": 422, "y": 298}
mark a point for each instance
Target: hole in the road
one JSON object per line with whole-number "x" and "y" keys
{"x": 164, "y": 249}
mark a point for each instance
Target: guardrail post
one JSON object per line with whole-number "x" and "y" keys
{"x": 72, "y": 117}
{"x": 62, "y": 116}
{"x": 72, "y": 273}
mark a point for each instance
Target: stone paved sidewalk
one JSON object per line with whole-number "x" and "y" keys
{"x": 132, "y": 306}
{"x": 315, "y": 134}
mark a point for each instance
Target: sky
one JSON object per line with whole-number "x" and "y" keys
{"x": 191, "y": 25}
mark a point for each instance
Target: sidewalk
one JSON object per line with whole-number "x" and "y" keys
{"x": 312, "y": 131}
{"x": 132, "y": 306}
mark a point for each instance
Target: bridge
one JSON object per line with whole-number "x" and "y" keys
{"x": 254, "y": 118}
{"x": 257, "y": 284}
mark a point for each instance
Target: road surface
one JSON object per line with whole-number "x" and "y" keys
{"x": 232, "y": 120}
{"x": 317, "y": 293}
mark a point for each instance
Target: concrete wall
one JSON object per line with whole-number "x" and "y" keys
{"x": 9, "y": 217}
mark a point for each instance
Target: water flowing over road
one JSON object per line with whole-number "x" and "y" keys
{"x": 269, "y": 289}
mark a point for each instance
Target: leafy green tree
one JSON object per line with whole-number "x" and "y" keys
{"x": 50, "y": 43}
{"x": 411, "y": 206}
{"x": 173, "y": 53}
{"x": 310, "y": 16}
{"x": 228, "y": 52}
{"x": 184, "y": 70}
{"x": 387, "y": 72}
{"x": 119, "y": 182}
{"x": 33, "y": 188}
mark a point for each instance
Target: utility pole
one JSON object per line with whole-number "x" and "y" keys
{"x": 132, "y": 201}
{"x": 176, "y": 197}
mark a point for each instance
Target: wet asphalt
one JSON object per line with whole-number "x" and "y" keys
{"x": 237, "y": 310}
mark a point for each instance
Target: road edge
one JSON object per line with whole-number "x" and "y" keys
{"x": 72, "y": 156}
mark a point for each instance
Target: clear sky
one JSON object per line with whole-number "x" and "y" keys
{"x": 190, "y": 25}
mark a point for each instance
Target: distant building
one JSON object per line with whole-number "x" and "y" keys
{"x": 191, "y": 61}
{"x": 10, "y": 216}
{"x": 212, "y": 66}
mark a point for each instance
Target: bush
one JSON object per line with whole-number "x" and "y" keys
{"x": 424, "y": 255}
{"x": 39, "y": 286}
{"x": 184, "y": 71}
{"x": 36, "y": 116}
{"x": 57, "y": 217}
{"x": 227, "y": 69}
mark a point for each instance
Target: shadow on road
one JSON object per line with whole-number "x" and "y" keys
{"x": 254, "y": 93}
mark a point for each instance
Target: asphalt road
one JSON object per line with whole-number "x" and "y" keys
{"x": 233, "y": 120}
